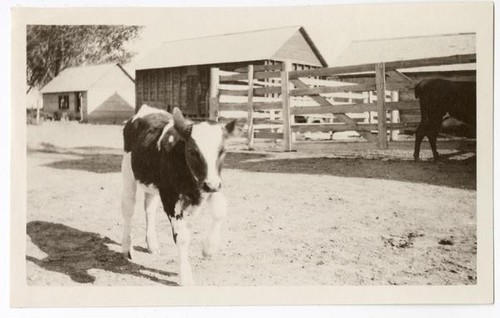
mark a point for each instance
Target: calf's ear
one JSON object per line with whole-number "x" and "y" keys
{"x": 182, "y": 125}
{"x": 234, "y": 127}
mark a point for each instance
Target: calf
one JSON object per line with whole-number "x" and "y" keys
{"x": 444, "y": 104}
{"x": 178, "y": 162}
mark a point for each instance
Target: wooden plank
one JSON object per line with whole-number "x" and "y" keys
{"x": 243, "y": 106}
{"x": 329, "y": 71}
{"x": 334, "y": 109}
{"x": 446, "y": 60}
{"x": 381, "y": 111}
{"x": 326, "y": 71}
{"x": 399, "y": 77}
{"x": 264, "y": 75}
{"x": 285, "y": 95}
{"x": 243, "y": 76}
{"x": 326, "y": 90}
{"x": 250, "y": 108}
{"x": 229, "y": 92}
{"x": 322, "y": 101}
{"x": 327, "y": 108}
{"x": 268, "y": 135}
{"x": 267, "y": 121}
{"x": 260, "y": 68}
{"x": 213, "y": 108}
{"x": 344, "y": 127}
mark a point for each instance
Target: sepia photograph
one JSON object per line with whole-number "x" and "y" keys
{"x": 288, "y": 150}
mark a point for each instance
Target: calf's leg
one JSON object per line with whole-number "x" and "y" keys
{"x": 129, "y": 187}
{"x": 419, "y": 136}
{"x": 182, "y": 238}
{"x": 432, "y": 135}
{"x": 218, "y": 209}
{"x": 151, "y": 202}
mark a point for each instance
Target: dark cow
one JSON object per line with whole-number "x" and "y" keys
{"x": 179, "y": 162}
{"x": 444, "y": 104}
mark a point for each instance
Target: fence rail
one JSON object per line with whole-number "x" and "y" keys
{"x": 271, "y": 97}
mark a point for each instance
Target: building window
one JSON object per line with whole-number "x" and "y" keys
{"x": 64, "y": 102}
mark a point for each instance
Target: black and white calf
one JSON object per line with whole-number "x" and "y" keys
{"x": 179, "y": 162}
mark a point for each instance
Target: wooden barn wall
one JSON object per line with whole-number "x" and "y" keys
{"x": 184, "y": 87}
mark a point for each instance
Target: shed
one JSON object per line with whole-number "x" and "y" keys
{"x": 177, "y": 74}
{"x": 97, "y": 94}
{"x": 408, "y": 48}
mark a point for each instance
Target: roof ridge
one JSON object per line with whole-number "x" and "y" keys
{"x": 415, "y": 37}
{"x": 233, "y": 33}
{"x": 92, "y": 65}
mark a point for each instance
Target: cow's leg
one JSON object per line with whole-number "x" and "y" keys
{"x": 182, "y": 237}
{"x": 218, "y": 209}
{"x": 129, "y": 187}
{"x": 151, "y": 202}
{"x": 419, "y": 136}
{"x": 432, "y": 135}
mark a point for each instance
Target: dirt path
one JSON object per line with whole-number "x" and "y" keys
{"x": 294, "y": 220}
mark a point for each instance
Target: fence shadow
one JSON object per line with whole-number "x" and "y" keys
{"x": 97, "y": 163}
{"x": 93, "y": 159}
{"x": 450, "y": 173}
{"x": 74, "y": 252}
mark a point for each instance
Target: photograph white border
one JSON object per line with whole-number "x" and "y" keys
{"x": 23, "y": 295}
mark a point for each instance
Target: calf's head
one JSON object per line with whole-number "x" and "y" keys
{"x": 205, "y": 148}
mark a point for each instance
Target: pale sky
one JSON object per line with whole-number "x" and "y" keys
{"x": 331, "y": 27}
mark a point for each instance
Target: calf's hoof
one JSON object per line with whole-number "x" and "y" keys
{"x": 206, "y": 255}
{"x": 208, "y": 251}
{"x": 127, "y": 255}
{"x": 154, "y": 251}
{"x": 153, "y": 248}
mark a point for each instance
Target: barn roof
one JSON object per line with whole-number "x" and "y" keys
{"x": 225, "y": 48}
{"x": 81, "y": 78}
{"x": 408, "y": 48}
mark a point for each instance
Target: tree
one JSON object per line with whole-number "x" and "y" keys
{"x": 52, "y": 48}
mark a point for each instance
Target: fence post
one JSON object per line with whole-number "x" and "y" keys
{"x": 381, "y": 108}
{"x": 285, "y": 96}
{"x": 213, "y": 103}
{"x": 250, "y": 136}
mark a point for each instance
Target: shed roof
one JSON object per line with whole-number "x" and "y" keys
{"x": 408, "y": 48}
{"x": 81, "y": 78}
{"x": 225, "y": 48}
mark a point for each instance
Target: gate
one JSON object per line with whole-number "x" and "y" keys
{"x": 273, "y": 97}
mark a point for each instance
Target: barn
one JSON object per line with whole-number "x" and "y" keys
{"x": 409, "y": 48}
{"x": 177, "y": 74}
{"x": 96, "y": 94}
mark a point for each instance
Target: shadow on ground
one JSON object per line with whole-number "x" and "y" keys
{"x": 99, "y": 163}
{"x": 74, "y": 252}
{"x": 93, "y": 159}
{"x": 450, "y": 173}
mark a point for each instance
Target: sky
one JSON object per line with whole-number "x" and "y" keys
{"x": 331, "y": 27}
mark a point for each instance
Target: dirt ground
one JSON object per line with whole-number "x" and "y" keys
{"x": 334, "y": 217}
